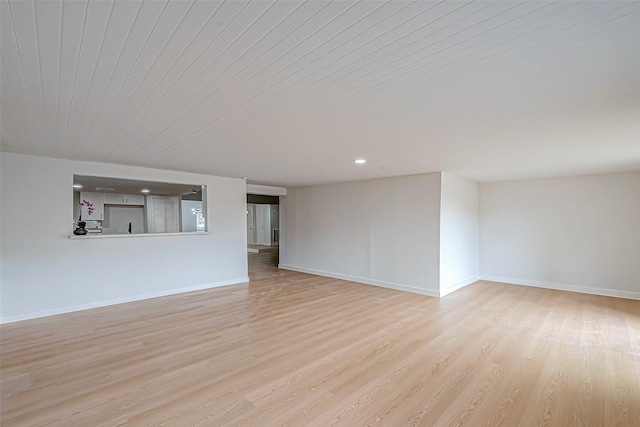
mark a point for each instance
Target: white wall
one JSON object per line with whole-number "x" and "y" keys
{"x": 275, "y": 220}
{"x": 459, "y": 233}
{"x": 383, "y": 232}
{"x": 189, "y": 219}
{"x": 45, "y": 272}
{"x": 576, "y": 233}
{"x": 266, "y": 190}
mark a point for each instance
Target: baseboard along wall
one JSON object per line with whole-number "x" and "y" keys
{"x": 97, "y": 304}
{"x": 362, "y": 280}
{"x": 562, "y": 287}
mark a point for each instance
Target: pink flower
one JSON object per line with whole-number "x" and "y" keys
{"x": 89, "y": 205}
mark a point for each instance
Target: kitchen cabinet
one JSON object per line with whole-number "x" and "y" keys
{"x": 124, "y": 199}
{"x": 98, "y": 206}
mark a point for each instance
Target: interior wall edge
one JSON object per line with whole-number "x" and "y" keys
{"x": 460, "y": 285}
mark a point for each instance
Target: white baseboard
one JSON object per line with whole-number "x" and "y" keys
{"x": 88, "y": 306}
{"x": 563, "y": 287}
{"x": 458, "y": 286}
{"x": 362, "y": 280}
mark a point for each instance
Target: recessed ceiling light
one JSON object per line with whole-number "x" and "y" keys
{"x": 359, "y": 161}
{"x": 145, "y": 190}
{"x": 77, "y": 186}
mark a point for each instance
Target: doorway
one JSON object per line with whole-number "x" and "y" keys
{"x": 263, "y": 233}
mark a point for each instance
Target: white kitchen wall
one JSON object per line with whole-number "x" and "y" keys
{"x": 383, "y": 232}
{"x": 44, "y": 272}
{"x": 118, "y": 217}
{"x": 459, "y": 233}
{"x": 577, "y": 233}
{"x": 189, "y": 217}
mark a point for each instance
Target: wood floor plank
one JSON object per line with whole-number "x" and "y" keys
{"x": 294, "y": 349}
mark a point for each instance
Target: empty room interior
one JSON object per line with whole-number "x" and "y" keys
{"x": 319, "y": 213}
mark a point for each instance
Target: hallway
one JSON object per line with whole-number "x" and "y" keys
{"x": 263, "y": 265}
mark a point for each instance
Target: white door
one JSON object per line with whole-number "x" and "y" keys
{"x": 251, "y": 224}
{"x": 263, "y": 228}
{"x": 259, "y": 225}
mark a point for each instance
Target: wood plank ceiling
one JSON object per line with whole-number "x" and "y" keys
{"x": 290, "y": 92}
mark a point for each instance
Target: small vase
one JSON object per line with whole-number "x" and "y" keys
{"x": 80, "y": 231}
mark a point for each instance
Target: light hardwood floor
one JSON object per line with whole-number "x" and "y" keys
{"x": 301, "y": 350}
